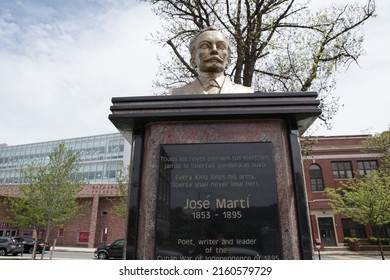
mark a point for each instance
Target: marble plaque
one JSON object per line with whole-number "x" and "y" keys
{"x": 217, "y": 201}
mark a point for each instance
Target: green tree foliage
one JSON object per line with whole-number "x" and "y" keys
{"x": 367, "y": 200}
{"x": 381, "y": 143}
{"x": 278, "y": 45}
{"x": 48, "y": 198}
{"x": 121, "y": 202}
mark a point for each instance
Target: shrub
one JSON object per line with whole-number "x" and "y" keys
{"x": 373, "y": 240}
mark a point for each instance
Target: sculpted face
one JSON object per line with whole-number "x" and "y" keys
{"x": 211, "y": 52}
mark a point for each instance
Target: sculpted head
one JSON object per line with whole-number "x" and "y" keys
{"x": 210, "y": 51}
{"x": 210, "y": 55}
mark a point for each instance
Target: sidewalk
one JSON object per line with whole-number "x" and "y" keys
{"x": 348, "y": 252}
{"x": 73, "y": 249}
{"x": 326, "y": 252}
{"x": 315, "y": 253}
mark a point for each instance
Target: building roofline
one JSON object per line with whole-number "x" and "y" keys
{"x": 5, "y": 145}
{"x": 339, "y": 136}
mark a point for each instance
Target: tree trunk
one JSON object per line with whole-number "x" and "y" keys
{"x": 379, "y": 241}
{"x": 248, "y": 72}
{"x": 34, "y": 237}
{"x": 52, "y": 249}
{"x": 238, "y": 70}
{"x": 381, "y": 249}
{"x": 48, "y": 229}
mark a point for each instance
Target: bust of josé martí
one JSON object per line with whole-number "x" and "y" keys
{"x": 210, "y": 55}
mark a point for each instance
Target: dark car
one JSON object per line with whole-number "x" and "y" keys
{"x": 8, "y": 245}
{"x": 29, "y": 244}
{"x": 115, "y": 251}
{"x": 108, "y": 251}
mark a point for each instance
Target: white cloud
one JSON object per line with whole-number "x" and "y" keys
{"x": 61, "y": 62}
{"x": 363, "y": 89}
{"x": 58, "y": 77}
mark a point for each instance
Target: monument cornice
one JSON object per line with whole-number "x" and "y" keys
{"x": 129, "y": 114}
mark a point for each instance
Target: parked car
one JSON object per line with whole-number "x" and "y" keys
{"x": 8, "y": 245}
{"x": 29, "y": 244}
{"x": 115, "y": 251}
{"x": 108, "y": 251}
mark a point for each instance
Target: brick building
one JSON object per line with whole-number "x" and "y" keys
{"x": 101, "y": 157}
{"x": 332, "y": 161}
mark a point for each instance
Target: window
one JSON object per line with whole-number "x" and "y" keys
{"x": 104, "y": 235}
{"x": 385, "y": 231}
{"x": 365, "y": 167}
{"x": 342, "y": 170}
{"x": 83, "y": 237}
{"x": 353, "y": 229}
{"x": 60, "y": 232}
{"x": 316, "y": 179}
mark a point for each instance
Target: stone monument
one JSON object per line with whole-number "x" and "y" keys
{"x": 216, "y": 169}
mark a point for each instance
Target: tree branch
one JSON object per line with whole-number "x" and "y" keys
{"x": 182, "y": 60}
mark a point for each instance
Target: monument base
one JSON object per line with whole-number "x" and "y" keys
{"x": 216, "y": 185}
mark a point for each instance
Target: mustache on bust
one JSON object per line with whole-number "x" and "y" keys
{"x": 214, "y": 57}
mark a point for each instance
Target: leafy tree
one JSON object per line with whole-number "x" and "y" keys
{"x": 278, "y": 45}
{"x": 381, "y": 143}
{"x": 120, "y": 204}
{"x": 366, "y": 201}
{"x": 49, "y": 196}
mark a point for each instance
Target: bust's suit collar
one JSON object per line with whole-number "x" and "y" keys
{"x": 220, "y": 80}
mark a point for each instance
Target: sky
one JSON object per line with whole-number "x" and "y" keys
{"x": 61, "y": 62}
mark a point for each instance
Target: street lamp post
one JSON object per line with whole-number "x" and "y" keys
{"x": 318, "y": 247}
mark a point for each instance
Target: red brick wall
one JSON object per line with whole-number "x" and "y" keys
{"x": 73, "y": 227}
{"x": 114, "y": 224}
{"x": 326, "y": 150}
{"x": 71, "y": 230}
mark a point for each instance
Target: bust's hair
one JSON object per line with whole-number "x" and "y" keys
{"x": 192, "y": 45}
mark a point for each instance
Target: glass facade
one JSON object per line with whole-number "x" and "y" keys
{"x": 101, "y": 157}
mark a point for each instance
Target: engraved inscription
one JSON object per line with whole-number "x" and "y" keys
{"x": 217, "y": 201}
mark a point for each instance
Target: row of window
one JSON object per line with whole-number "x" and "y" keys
{"x": 354, "y": 229}
{"x": 85, "y": 155}
{"x": 94, "y": 148}
{"x": 96, "y": 172}
{"x": 340, "y": 170}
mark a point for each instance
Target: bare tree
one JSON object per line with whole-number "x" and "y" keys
{"x": 278, "y": 45}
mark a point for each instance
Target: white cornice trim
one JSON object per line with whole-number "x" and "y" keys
{"x": 341, "y": 156}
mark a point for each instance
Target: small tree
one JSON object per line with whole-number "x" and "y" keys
{"x": 49, "y": 196}
{"x": 366, "y": 201}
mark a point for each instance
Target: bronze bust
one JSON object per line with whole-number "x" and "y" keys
{"x": 210, "y": 55}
